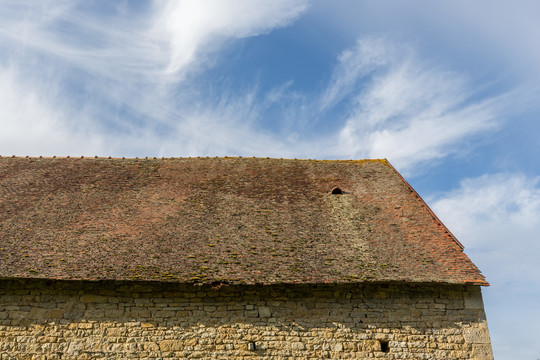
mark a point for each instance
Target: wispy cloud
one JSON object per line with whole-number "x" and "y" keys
{"x": 161, "y": 42}
{"x": 31, "y": 125}
{"x": 119, "y": 74}
{"x": 120, "y": 77}
{"x": 370, "y": 54}
{"x": 405, "y": 108}
{"x": 497, "y": 213}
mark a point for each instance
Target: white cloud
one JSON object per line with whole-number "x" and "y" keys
{"x": 37, "y": 119}
{"x": 189, "y": 28}
{"x": 159, "y": 44}
{"x": 132, "y": 94}
{"x": 33, "y": 123}
{"x": 497, "y": 218}
{"x": 405, "y": 108}
{"x": 116, "y": 78}
{"x": 225, "y": 128}
{"x": 369, "y": 54}
{"x": 484, "y": 206}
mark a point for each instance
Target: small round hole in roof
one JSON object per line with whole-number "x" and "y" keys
{"x": 336, "y": 190}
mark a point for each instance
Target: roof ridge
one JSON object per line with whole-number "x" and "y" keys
{"x": 381, "y": 160}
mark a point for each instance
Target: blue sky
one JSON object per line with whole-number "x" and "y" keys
{"x": 447, "y": 91}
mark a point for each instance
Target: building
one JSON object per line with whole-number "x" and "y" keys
{"x": 229, "y": 258}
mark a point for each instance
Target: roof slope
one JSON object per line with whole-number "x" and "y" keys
{"x": 234, "y": 220}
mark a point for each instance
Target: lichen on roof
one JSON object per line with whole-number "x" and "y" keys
{"x": 221, "y": 220}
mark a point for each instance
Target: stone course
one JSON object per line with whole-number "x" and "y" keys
{"x": 47, "y": 319}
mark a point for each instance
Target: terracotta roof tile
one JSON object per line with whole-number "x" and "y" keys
{"x": 233, "y": 220}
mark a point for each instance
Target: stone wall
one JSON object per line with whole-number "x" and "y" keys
{"x": 117, "y": 320}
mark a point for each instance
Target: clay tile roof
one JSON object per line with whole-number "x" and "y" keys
{"x": 221, "y": 220}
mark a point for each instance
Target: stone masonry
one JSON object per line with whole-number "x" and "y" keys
{"x": 48, "y": 319}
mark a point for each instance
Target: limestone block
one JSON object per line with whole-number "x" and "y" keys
{"x": 116, "y": 331}
{"x": 251, "y": 313}
{"x": 371, "y": 345}
{"x": 476, "y": 335}
{"x": 92, "y": 298}
{"x": 264, "y": 312}
{"x": 54, "y": 314}
{"x": 142, "y": 288}
{"x": 74, "y": 347}
{"x": 18, "y": 315}
{"x": 473, "y": 300}
{"x": 482, "y": 352}
{"x": 85, "y": 326}
{"x": 37, "y": 313}
{"x": 171, "y": 345}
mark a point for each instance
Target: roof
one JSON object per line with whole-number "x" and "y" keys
{"x": 221, "y": 220}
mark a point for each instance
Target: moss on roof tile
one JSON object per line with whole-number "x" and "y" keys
{"x": 225, "y": 220}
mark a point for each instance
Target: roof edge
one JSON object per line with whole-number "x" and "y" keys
{"x": 234, "y": 283}
{"x": 426, "y": 206}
